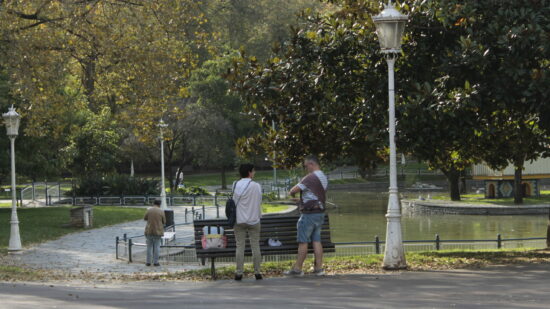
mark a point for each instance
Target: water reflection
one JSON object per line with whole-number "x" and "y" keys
{"x": 360, "y": 217}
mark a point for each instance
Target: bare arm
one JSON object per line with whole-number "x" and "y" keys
{"x": 294, "y": 190}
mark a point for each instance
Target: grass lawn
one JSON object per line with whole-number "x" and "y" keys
{"x": 267, "y": 208}
{"x": 480, "y": 199}
{"x": 347, "y": 181}
{"x": 41, "y": 224}
{"x": 416, "y": 261}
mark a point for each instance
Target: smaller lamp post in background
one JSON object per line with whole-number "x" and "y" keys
{"x": 274, "y": 158}
{"x": 163, "y": 204}
{"x": 11, "y": 120}
{"x": 389, "y": 27}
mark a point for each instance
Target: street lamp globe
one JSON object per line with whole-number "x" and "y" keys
{"x": 11, "y": 120}
{"x": 389, "y": 28}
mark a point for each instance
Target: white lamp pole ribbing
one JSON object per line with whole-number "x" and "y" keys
{"x": 11, "y": 120}
{"x": 163, "y": 204}
{"x": 389, "y": 27}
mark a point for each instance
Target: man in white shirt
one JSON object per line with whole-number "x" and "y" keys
{"x": 248, "y": 198}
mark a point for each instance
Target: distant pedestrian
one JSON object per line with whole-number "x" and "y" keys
{"x": 154, "y": 230}
{"x": 312, "y": 189}
{"x": 248, "y": 198}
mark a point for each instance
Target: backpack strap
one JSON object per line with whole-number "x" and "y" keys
{"x": 233, "y": 190}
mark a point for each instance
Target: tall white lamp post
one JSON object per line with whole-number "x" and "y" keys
{"x": 389, "y": 28}
{"x": 11, "y": 119}
{"x": 163, "y": 205}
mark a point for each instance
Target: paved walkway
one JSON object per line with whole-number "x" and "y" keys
{"x": 94, "y": 250}
{"x": 523, "y": 286}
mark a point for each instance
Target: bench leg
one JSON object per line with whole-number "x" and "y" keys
{"x": 213, "y": 269}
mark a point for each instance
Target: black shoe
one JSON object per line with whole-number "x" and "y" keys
{"x": 238, "y": 277}
{"x": 147, "y": 264}
{"x": 258, "y": 276}
{"x": 156, "y": 264}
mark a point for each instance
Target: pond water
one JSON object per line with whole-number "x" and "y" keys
{"x": 360, "y": 216}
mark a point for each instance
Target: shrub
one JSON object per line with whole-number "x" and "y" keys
{"x": 193, "y": 190}
{"x": 269, "y": 197}
{"x": 115, "y": 185}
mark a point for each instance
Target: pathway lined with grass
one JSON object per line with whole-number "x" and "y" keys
{"x": 42, "y": 224}
{"x": 94, "y": 250}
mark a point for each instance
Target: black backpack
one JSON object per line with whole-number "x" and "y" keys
{"x": 231, "y": 206}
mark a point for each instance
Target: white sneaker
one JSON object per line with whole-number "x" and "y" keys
{"x": 274, "y": 242}
{"x": 319, "y": 272}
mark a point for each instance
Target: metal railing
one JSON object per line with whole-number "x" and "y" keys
{"x": 186, "y": 253}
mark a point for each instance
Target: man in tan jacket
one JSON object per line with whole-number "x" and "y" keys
{"x": 154, "y": 230}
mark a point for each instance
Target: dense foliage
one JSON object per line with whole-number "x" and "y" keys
{"x": 470, "y": 87}
{"x": 92, "y": 79}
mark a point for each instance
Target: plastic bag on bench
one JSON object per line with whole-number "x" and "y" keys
{"x": 211, "y": 240}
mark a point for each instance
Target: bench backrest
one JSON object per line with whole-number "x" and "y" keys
{"x": 282, "y": 228}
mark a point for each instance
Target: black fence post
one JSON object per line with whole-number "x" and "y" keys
{"x": 125, "y": 237}
{"x": 50, "y": 200}
{"x": 377, "y": 244}
{"x": 193, "y": 212}
{"x": 130, "y": 250}
{"x": 499, "y": 241}
{"x": 203, "y": 212}
{"x": 185, "y": 215}
{"x": 437, "y": 242}
{"x": 217, "y": 211}
{"x": 194, "y": 200}
{"x": 116, "y": 247}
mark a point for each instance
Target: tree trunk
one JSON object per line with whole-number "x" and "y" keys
{"x": 463, "y": 189}
{"x": 88, "y": 80}
{"x": 453, "y": 176}
{"x": 179, "y": 172}
{"x": 224, "y": 180}
{"x": 518, "y": 188}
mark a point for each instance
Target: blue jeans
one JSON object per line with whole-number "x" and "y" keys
{"x": 153, "y": 248}
{"x": 309, "y": 227}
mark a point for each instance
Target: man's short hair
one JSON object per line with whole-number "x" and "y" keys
{"x": 312, "y": 158}
{"x": 156, "y": 202}
{"x": 245, "y": 169}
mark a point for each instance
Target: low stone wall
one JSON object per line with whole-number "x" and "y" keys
{"x": 458, "y": 208}
{"x": 82, "y": 216}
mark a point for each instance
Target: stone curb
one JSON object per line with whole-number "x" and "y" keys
{"x": 458, "y": 208}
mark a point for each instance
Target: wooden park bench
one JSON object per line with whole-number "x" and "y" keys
{"x": 282, "y": 228}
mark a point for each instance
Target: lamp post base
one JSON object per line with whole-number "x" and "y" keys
{"x": 394, "y": 254}
{"x": 15, "y": 240}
